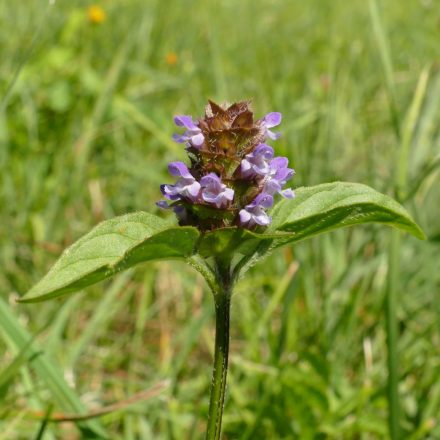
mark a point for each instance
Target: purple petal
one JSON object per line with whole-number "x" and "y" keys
{"x": 246, "y": 167}
{"x": 288, "y": 193}
{"x": 185, "y": 121}
{"x": 263, "y": 150}
{"x": 228, "y": 194}
{"x": 162, "y": 204}
{"x": 272, "y": 119}
{"x": 197, "y": 140}
{"x": 214, "y": 191}
{"x": 272, "y": 135}
{"x": 262, "y": 218}
{"x": 272, "y": 186}
{"x": 192, "y": 190}
{"x": 263, "y": 200}
{"x": 219, "y": 200}
{"x": 245, "y": 216}
{"x": 179, "y": 169}
{"x": 284, "y": 175}
{"x": 215, "y": 199}
{"x": 170, "y": 192}
{"x": 279, "y": 162}
{"x": 180, "y": 138}
{"x": 210, "y": 179}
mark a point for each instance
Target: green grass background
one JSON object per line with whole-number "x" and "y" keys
{"x": 85, "y": 126}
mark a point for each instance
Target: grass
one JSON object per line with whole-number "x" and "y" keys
{"x": 85, "y": 132}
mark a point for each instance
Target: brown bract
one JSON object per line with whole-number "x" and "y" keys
{"x": 230, "y": 133}
{"x": 230, "y": 130}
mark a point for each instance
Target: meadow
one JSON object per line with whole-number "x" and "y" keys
{"x": 87, "y": 98}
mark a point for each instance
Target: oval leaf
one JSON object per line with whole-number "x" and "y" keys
{"x": 110, "y": 247}
{"x": 322, "y": 208}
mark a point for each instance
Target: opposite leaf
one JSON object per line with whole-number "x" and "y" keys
{"x": 110, "y": 247}
{"x": 322, "y": 208}
{"x": 122, "y": 242}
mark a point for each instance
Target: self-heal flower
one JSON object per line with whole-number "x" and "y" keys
{"x": 215, "y": 192}
{"x": 234, "y": 175}
{"x": 277, "y": 177}
{"x": 254, "y": 214}
{"x": 274, "y": 171}
{"x": 193, "y": 135}
{"x": 257, "y": 162}
{"x": 269, "y": 121}
{"x": 186, "y": 187}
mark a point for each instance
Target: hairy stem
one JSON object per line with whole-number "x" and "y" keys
{"x": 218, "y": 386}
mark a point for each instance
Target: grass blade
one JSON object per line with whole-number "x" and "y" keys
{"x": 387, "y": 65}
{"x": 18, "y": 338}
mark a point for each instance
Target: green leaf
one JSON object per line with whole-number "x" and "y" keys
{"x": 112, "y": 246}
{"x": 322, "y": 208}
{"x": 313, "y": 211}
{"x": 122, "y": 242}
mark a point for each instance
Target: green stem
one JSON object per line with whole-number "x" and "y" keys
{"x": 392, "y": 336}
{"x": 218, "y": 386}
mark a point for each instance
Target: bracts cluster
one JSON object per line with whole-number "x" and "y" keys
{"x": 233, "y": 176}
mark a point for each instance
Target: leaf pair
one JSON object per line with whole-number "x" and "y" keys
{"x": 118, "y": 244}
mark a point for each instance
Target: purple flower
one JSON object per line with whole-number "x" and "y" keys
{"x": 186, "y": 186}
{"x": 277, "y": 177}
{"x": 254, "y": 214}
{"x": 274, "y": 170}
{"x": 271, "y": 120}
{"x": 214, "y": 191}
{"x": 257, "y": 162}
{"x": 193, "y": 134}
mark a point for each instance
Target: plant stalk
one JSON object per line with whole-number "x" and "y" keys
{"x": 218, "y": 385}
{"x": 392, "y": 336}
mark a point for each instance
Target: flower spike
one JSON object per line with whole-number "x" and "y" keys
{"x": 234, "y": 175}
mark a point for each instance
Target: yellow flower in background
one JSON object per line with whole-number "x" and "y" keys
{"x": 96, "y": 14}
{"x": 171, "y": 58}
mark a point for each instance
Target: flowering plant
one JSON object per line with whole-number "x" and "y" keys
{"x": 233, "y": 175}
{"x": 221, "y": 201}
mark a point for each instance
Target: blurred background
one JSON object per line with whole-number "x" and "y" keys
{"x": 87, "y": 96}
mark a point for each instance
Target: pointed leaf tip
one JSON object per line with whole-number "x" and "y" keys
{"x": 329, "y": 206}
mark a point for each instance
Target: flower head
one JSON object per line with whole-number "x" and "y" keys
{"x": 234, "y": 175}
